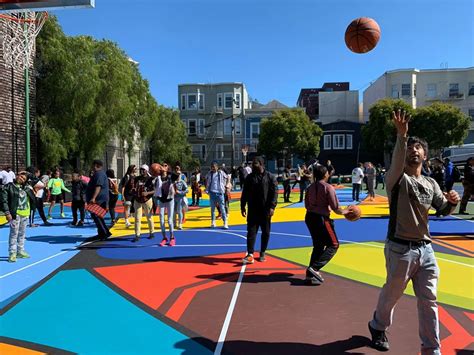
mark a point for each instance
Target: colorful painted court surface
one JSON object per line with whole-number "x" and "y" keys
{"x": 120, "y": 297}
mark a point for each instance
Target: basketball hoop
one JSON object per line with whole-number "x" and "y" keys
{"x": 19, "y": 38}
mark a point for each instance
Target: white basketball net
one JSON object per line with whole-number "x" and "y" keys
{"x": 18, "y": 31}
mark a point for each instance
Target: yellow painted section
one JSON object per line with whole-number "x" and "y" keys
{"x": 7, "y": 349}
{"x": 365, "y": 262}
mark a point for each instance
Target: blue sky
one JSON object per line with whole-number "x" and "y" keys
{"x": 276, "y": 47}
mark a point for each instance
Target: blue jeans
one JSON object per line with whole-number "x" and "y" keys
{"x": 418, "y": 264}
{"x": 215, "y": 197}
{"x": 178, "y": 208}
{"x": 169, "y": 206}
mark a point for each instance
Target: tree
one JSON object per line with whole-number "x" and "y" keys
{"x": 441, "y": 125}
{"x": 88, "y": 92}
{"x": 289, "y": 130}
{"x": 379, "y": 134}
{"x": 168, "y": 141}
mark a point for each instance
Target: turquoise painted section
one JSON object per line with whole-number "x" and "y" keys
{"x": 74, "y": 311}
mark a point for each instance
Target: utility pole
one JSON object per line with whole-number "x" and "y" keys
{"x": 242, "y": 115}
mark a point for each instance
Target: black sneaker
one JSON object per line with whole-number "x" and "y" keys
{"x": 151, "y": 236}
{"x": 80, "y": 223}
{"x": 379, "y": 339}
{"x": 262, "y": 258}
{"x": 136, "y": 239}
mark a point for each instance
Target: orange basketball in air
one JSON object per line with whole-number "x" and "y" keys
{"x": 362, "y": 35}
{"x": 155, "y": 169}
{"x": 354, "y": 213}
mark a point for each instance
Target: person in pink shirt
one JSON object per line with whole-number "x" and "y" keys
{"x": 319, "y": 201}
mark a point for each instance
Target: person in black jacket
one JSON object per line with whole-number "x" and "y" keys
{"x": 468, "y": 184}
{"x": 260, "y": 192}
{"x": 78, "y": 191}
{"x": 17, "y": 199}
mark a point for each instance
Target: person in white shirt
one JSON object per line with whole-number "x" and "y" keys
{"x": 7, "y": 175}
{"x": 357, "y": 177}
{"x": 216, "y": 181}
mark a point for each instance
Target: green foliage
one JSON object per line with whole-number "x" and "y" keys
{"x": 441, "y": 125}
{"x": 379, "y": 134}
{"x": 290, "y": 130}
{"x": 88, "y": 93}
{"x": 168, "y": 141}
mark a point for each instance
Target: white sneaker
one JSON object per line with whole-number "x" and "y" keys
{"x": 127, "y": 224}
{"x": 213, "y": 224}
{"x": 226, "y": 226}
{"x": 180, "y": 227}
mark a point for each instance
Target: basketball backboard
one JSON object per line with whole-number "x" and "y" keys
{"x": 46, "y": 5}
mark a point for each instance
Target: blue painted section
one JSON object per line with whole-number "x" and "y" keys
{"x": 54, "y": 315}
{"x": 202, "y": 202}
{"x": 344, "y": 196}
{"x": 49, "y": 248}
{"x": 145, "y": 249}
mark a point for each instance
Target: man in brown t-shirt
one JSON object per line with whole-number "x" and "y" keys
{"x": 408, "y": 251}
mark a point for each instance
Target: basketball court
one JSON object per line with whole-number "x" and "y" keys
{"x": 121, "y": 297}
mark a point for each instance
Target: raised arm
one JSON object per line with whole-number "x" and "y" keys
{"x": 400, "y": 120}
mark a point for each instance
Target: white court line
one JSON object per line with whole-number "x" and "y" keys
{"x": 230, "y": 311}
{"x": 224, "y": 231}
{"x": 40, "y": 261}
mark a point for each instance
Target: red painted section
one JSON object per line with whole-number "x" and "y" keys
{"x": 459, "y": 338}
{"x": 153, "y": 282}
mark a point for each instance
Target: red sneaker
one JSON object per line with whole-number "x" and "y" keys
{"x": 163, "y": 242}
{"x": 172, "y": 242}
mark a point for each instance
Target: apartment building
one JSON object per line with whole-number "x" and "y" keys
{"x": 211, "y": 113}
{"x": 422, "y": 87}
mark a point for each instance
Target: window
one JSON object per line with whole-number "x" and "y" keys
{"x": 192, "y": 101}
{"x": 338, "y": 141}
{"x": 183, "y": 102}
{"x": 228, "y": 100}
{"x": 406, "y": 89}
{"x": 223, "y": 150}
{"x": 348, "y": 141}
{"x": 219, "y": 101}
{"x": 199, "y": 150}
{"x": 471, "y": 113}
{"x": 431, "y": 90}
{"x": 471, "y": 89}
{"x": 191, "y": 127}
{"x": 395, "y": 91}
{"x": 237, "y": 100}
{"x": 237, "y": 152}
{"x": 254, "y": 130}
{"x": 201, "y": 101}
{"x": 201, "y": 128}
{"x": 238, "y": 126}
{"x": 414, "y": 89}
{"x": 453, "y": 89}
{"x": 327, "y": 141}
{"x": 228, "y": 127}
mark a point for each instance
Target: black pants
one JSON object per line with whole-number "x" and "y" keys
{"x": 325, "y": 242}
{"x": 355, "y": 192}
{"x": 102, "y": 230}
{"x": 196, "y": 194}
{"x": 303, "y": 187}
{"x": 40, "y": 208}
{"x": 254, "y": 221}
{"x": 112, "y": 203}
{"x": 286, "y": 190}
{"x": 78, "y": 205}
